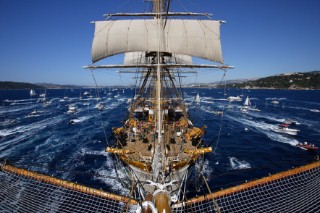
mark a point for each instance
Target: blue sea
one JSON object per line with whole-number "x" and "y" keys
{"x": 245, "y": 147}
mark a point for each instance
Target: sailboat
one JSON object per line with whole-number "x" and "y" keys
{"x": 197, "y": 99}
{"x": 247, "y": 106}
{"x": 32, "y": 92}
{"x": 158, "y": 144}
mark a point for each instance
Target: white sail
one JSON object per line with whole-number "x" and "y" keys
{"x": 131, "y": 58}
{"x": 197, "y": 98}
{"x": 247, "y": 102}
{"x": 32, "y": 92}
{"x": 199, "y": 38}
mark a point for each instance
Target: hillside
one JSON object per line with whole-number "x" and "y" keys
{"x": 298, "y": 80}
{"x": 18, "y": 85}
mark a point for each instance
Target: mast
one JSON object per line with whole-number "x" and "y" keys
{"x": 158, "y": 87}
{"x": 158, "y": 159}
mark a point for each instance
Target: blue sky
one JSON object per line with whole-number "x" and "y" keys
{"x": 50, "y": 40}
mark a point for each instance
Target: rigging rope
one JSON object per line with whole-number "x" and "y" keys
{"x": 214, "y": 201}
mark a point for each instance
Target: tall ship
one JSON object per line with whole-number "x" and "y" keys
{"x": 158, "y": 143}
{"x": 158, "y": 146}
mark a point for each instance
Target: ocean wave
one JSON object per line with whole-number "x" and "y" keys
{"x": 237, "y": 164}
{"x": 113, "y": 183}
{"x": 21, "y": 133}
{"x": 266, "y": 129}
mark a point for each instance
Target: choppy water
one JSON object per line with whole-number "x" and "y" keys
{"x": 245, "y": 149}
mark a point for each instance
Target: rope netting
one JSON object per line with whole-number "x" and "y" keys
{"x": 296, "y": 190}
{"x": 25, "y": 191}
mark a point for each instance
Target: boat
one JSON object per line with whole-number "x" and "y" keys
{"x": 275, "y": 102}
{"x": 100, "y": 106}
{"x": 247, "y": 106}
{"x": 34, "y": 113}
{"x": 307, "y": 146}
{"x": 234, "y": 98}
{"x": 197, "y": 99}
{"x": 74, "y": 121}
{"x": 72, "y": 109}
{"x": 314, "y": 110}
{"x": 284, "y": 128}
{"x": 43, "y": 97}
{"x": 158, "y": 143}
{"x": 32, "y": 92}
{"x": 247, "y": 102}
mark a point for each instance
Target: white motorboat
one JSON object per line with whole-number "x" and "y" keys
{"x": 284, "y": 128}
{"x": 72, "y": 109}
{"x": 100, "y": 106}
{"x": 234, "y": 98}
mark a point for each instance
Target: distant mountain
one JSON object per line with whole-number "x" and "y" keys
{"x": 297, "y": 80}
{"x": 217, "y": 84}
{"x": 23, "y": 85}
{"x": 58, "y": 86}
{"x": 18, "y": 85}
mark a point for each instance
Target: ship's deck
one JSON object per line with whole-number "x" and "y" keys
{"x": 141, "y": 141}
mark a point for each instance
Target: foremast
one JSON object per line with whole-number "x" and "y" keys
{"x": 162, "y": 198}
{"x": 159, "y": 162}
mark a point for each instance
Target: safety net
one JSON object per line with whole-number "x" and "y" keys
{"x": 296, "y": 190}
{"x": 25, "y": 191}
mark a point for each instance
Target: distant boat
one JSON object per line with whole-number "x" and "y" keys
{"x": 275, "y": 102}
{"x": 34, "y": 113}
{"x": 32, "y": 92}
{"x": 284, "y": 128}
{"x": 197, "y": 99}
{"x": 307, "y": 146}
{"x": 234, "y": 98}
{"x": 43, "y": 96}
{"x": 314, "y": 110}
{"x": 100, "y": 106}
{"x": 247, "y": 103}
{"x": 72, "y": 109}
{"x": 247, "y": 106}
{"x": 74, "y": 121}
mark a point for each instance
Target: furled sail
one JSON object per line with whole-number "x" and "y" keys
{"x": 199, "y": 38}
{"x": 135, "y": 58}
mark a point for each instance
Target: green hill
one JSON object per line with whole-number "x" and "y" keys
{"x": 298, "y": 80}
{"x": 18, "y": 85}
